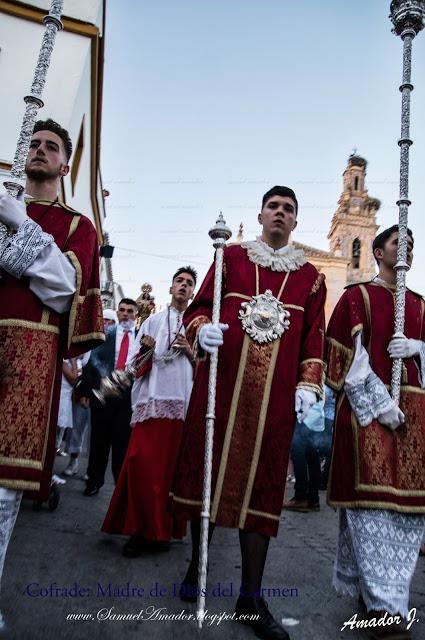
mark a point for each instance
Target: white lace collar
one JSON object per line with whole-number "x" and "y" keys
{"x": 285, "y": 259}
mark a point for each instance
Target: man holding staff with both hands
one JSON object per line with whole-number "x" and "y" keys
{"x": 271, "y": 340}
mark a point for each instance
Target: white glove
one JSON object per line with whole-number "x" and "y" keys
{"x": 13, "y": 212}
{"x": 392, "y": 418}
{"x": 304, "y": 400}
{"x": 402, "y": 347}
{"x": 211, "y": 337}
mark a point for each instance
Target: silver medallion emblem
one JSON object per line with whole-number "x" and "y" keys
{"x": 264, "y": 318}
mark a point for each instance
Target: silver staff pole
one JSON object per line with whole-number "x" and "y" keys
{"x": 220, "y": 233}
{"x": 407, "y": 17}
{"x": 33, "y": 102}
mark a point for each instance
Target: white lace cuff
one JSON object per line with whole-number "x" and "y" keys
{"x": 369, "y": 399}
{"x": 20, "y": 250}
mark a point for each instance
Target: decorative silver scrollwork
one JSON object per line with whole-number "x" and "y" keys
{"x": 264, "y": 318}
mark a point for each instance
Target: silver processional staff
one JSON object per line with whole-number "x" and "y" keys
{"x": 220, "y": 233}
{"x": 407, "y": 17}
{"x": 33, "y": 103}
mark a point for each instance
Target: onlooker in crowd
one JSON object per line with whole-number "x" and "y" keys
{"x": 109, "y": 318}
{"x": 306, "y": 460}
{"x": 81, "y": 419}
{"x": 110, "y": 422}
{"x": 65, "y": 421}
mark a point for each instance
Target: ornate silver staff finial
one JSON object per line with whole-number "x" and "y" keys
{"x": 33, "y": 102}
{"x": 220, "y": 231}
{"x": 408, "y": 18}
{"x": 407, "y": 14}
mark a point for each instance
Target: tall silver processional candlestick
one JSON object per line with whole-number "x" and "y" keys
{"x": 220, "y": 233}
{"x": 407, "y": 17}
{"x": 33, "y": 102}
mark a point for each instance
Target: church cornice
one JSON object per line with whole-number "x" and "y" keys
{"x": 312, "y": 252}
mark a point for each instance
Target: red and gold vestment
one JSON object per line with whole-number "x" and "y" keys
{"x": 256, "y": 383}
{"x": 373, "y": 466}
{"x": 33, "y": 341}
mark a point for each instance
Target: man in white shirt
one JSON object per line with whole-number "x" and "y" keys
{"x": 160, "y": 398}
{"x": 110, "y": 422}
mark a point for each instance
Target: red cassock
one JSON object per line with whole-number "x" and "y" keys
{"x": 256, "y": 383}
{"x": 373, "y": 466}
{"x": 139, "y": 503}
{"x": 33, "y": 341}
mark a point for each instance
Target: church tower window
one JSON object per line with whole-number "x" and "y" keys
{"x": 355, "y": 254}
{"x": 356, "y": 183}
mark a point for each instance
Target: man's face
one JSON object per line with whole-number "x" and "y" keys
{"x": 278, "y": 216}
{"x": 126, "y": 312}
{"x": 182, "y": 288}
{"x": 46, "y": 157}
{"x": 108, "y": 322}
{"x": 388, "y": 255}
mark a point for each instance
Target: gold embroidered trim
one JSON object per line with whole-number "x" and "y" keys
{"x": 28, "y": 324}
{"x": 312, "y": 360}
{"x": 72, "y": 227}
{"x": 88, "y": 336}
{"x": 311, "y": 387}
{"x": 230, "y": 425}
{"x": 45, "y": 316}
{"x": 371, "y": 504}
{"x": 19, "y": 484}
{"x": 260, "y": 433}
{"x": 263, "y": 514}
{"x": 283, "y": 285}
{"x": 21, "y": 462}
{"x": 187, "y": 501}
{"x": 294, "y": 306}
{"x": 366, "y": 302}
{"x": 73, "y": 312}
{"x": 356, "y": 329}
{"x": 234, "y": 294}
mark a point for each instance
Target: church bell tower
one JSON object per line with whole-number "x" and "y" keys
{"x": 353, "y": 226}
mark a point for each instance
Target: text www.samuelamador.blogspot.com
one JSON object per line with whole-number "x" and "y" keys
{"x": 158, "y": 614}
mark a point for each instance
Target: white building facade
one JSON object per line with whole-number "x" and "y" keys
{"x": 72, "y": 95}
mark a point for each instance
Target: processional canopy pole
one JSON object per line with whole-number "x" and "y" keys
{"x": 408, "y": 18}
{"x": 33, "y": 103}
{"x": 220, "y": 233}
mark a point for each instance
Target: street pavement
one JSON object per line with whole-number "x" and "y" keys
{"x": 60, "y": 567}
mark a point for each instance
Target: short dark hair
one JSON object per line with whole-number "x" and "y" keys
{"x": 190, "y": 270}
{"x": 54, "y": 127}
{"x": 381, "y": 238}
{"x": 284, "y": 192}
{"x": 128, "y": 301}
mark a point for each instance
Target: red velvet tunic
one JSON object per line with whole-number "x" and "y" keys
{"x": 33, "y": 341}
{"x": 256, "y": 383}
{"x": 373, "y": 466}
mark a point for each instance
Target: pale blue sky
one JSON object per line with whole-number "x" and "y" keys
{"x": 209, "y": 104}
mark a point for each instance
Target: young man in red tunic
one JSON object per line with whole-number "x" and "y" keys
{"x": 377, "y": 475}
{"x": 50, "y": 309}
{"x": 160, "y": 398}
{"x": 270, "y": 367}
